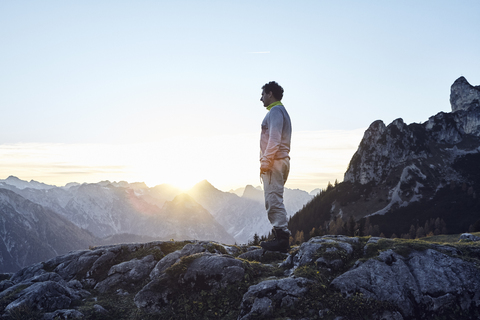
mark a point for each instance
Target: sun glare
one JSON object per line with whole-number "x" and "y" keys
{"x": 227, "y": 162}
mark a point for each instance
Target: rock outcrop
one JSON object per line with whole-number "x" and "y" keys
{"x": 409, "y": 173}
{"x": 432, "y": 146}
{"x": 325, "y": 278}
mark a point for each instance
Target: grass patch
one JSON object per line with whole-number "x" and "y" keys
{"x": 215, "y": 248}
{"x": 172, "y": 246}
{"x": 22, "y": 313}
{"x": 180, "y": 267}
{"x": 311, "y": 272}
{"x": 448, "y": 238}
{"x": 402, "y": 247}
{"x": 156, "y": 252}
{"x": 118, "y": 307}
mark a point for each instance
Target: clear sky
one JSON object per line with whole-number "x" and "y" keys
{"x": 168, "y": 91}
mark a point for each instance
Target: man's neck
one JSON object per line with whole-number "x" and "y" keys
{"x": 273, "y": 104}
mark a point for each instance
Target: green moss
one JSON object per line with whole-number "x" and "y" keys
{"x": 141, "y": 253}
{"x": 198, "y": 302}
{"x": 118, "y": 307}
{"x": 171, "y": 246}
{"x": 402, "y": 247}
{"x": 354, "y": 307}
{"x": 215, "y": 248}
{"x": 180, "y": 267}
{"x": 22, "y": 313}
{"x": 311, "y": 272}
{"x": 256, "y": 271}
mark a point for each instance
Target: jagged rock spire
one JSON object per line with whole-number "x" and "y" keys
{"x": 463, "y": 95}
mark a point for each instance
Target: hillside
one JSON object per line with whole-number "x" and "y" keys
{"x": 407, "y": 180}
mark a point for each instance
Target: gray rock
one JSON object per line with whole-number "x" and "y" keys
{"x": 232, "y": 250}
{"x": 99, "y": 309}
{"x": 79, "y": 264}
{"x": 75, "y": 284}
{"x": 153, "y": 297}
{"x": 468, "y": 237}
{"x": 258, "y": 300}
{"x": 429, "y": 278}
{"x": 127, "y": 274}
{"x": 463, "y": 95}
{"x": 5, "y": 284}
{"x": 388, "y": 315}
{"x": 46, "y": 296}
{"x": 28, "y": 273}
{"x": 214, "y": 271}
{"x": 204, "y": 270}
{"x": 252, "y": 255}
{"x": 262, "y": 307}
{"x": 48, "y": 276}
{"x": 334, "y": 248}
{"x": 63, "y": 314}
{"x": 171, "y": 258}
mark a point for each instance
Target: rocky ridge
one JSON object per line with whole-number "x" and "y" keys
{"x": 399, "y": 164}
{"x": 330, "y": 277}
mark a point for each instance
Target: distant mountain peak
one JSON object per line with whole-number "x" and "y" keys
{"x": 203, "y": 186}
{"x": 183, "y": 198}
{"x": 22, "y": 184}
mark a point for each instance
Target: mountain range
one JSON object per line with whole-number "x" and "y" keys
{"x": 107, "y": 212}
{"x": 409, "y": 175}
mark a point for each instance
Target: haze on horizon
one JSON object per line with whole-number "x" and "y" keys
{"x": 168, "y": 92}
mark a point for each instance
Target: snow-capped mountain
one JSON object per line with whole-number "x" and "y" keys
{"x": 122, "y": 211}
{"x": 21, "y": 184}
{"x": 244, "y": 216}
{"x": 106, "y": 209}
{"x": 31, "y": 233}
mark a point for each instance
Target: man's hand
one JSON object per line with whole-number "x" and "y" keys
{"x": 264, "y": 168}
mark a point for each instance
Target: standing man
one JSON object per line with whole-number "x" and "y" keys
{"x": 275, "y": 164}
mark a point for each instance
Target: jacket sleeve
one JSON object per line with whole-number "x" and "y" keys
{"x": 274, "y": 137}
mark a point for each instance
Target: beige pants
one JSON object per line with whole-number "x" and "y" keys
{"x": 273, "y": 185}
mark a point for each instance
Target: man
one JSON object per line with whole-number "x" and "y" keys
{"x": 275, "y": 164}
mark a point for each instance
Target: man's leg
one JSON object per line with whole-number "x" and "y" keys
{"x": 273, "y": 184}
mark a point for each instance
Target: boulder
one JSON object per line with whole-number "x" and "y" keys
{"x": 263, "y": 299}
{"x": 63, "y": 314}
{"x": 468, "y": 237}
{"x": 44, "y": 296}
{"x": 197, "y": 272}
{"x": 425, "y": 281}
{"x": 127, "y": 274}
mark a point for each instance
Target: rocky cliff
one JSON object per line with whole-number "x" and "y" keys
{"x": 330, "y": 277}
{"x": 407, "y": 174}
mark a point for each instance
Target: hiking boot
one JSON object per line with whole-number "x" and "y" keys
{"x": 279, "y": 243}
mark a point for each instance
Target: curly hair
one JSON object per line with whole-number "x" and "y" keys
{"x": 275, "y": 89}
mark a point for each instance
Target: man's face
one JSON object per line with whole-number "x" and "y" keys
{"x": 267, "y": 98}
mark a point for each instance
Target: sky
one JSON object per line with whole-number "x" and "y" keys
{"x": 168, "y": 91}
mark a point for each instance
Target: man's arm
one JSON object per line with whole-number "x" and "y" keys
{"x": 274, "y": 139}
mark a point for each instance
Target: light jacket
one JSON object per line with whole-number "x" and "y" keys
{"x": 275, "y": 137}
